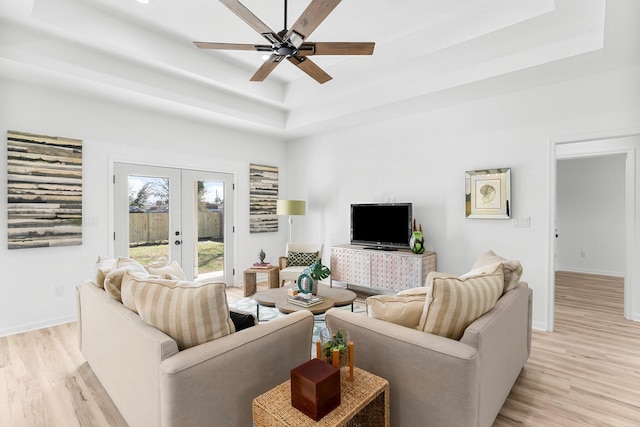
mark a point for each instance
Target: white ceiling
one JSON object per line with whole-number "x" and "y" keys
{"x": 428, "y": 53}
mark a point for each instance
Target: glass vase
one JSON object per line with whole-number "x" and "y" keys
{"x": 335, "y": 340}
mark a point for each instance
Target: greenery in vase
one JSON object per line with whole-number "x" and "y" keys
{"x": 317, "y": 271}
{"x": 337, "y": 342}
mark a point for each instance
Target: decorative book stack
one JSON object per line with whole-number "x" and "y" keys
{"x": 261, "y": 265}
{"x": 303, "y": 301}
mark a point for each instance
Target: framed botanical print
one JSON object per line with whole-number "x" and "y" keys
{"x": 488, "y": 193}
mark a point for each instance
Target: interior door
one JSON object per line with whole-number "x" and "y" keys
{"x": 182, "y": 215}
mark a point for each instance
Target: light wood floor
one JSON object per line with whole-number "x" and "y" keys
{"x": 586, "y": 373}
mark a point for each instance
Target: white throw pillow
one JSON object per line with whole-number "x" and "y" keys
{"x": 172, "y": 268}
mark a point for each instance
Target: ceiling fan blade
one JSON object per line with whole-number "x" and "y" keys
{"x": 233, "y": 46}
{"x": 337, "y": 48}
{"x": 311, "y": 68}
{"x": 267, "y": 67}
{"x": 247, "y": 16}
{"x": 312, "y": 16}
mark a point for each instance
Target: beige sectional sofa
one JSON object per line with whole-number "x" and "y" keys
{"x": 152, "y": 383}
{"x": 436, "y": 380}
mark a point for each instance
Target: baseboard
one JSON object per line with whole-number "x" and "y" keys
{"x": 38, "y": 325}
{"x": 540, "y": 326}
{"x": 586, "y": 271}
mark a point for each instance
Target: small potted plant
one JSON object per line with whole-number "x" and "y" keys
{"x": 317, "y": 271}
{"x": 335, "y": 341}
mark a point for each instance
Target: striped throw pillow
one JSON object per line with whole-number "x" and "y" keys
{"x": 191, "y": 314}
{"x": 301, "y": 259}
{"x": 453, "y": 303}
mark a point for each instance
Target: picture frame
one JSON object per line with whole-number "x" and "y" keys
{"x": 488, "y": 193}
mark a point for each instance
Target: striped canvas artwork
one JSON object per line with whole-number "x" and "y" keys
{"x": 263, "y": 195}
{"x": 44, "y": 191}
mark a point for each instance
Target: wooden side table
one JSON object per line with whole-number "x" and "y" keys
{"x": 364, "y": 402}
{"x": 250, "y": 278}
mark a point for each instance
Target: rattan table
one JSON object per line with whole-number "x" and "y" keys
{"x": 364, "y": 402}
{"x": 249, "y": 276}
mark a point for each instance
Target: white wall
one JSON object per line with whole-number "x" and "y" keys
{"x": 114, "y": 132}
{"x": 422, "y": 158}
{"x": 591, "y": 215}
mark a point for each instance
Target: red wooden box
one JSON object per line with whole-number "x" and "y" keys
{"x": 315, "y": 388}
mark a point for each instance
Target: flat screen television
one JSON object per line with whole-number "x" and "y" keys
{"x": 386, "y": 226}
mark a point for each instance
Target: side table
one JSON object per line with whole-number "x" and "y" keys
{"x": 364, "y": 402}
{"x": 250, "y": 278}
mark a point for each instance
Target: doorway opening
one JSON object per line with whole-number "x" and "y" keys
{"x": 602, "y": 145}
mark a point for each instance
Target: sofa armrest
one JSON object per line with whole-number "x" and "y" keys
{"x": 431, "y": 377}
{"x": 124, "y": 352}
{"x": 282, "y": 262}
{"x": 216, "y": 382}
{"x": 503, "y": 338}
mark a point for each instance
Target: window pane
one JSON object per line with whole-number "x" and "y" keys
{"x": 148, "y": 218}
{"x": 210, "y": 219}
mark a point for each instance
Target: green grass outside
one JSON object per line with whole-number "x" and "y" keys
{"x": 210, "y": 255}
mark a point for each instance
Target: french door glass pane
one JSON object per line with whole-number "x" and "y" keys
{"x": 148, "y": 218}
{"x": 210, "y": 220}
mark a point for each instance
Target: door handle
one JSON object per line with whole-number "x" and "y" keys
{"x": 178, "y": 242}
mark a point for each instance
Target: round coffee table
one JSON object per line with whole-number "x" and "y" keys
{"x": 333, "y": 297}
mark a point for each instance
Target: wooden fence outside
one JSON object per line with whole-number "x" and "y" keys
{"x": 154, "y": 227}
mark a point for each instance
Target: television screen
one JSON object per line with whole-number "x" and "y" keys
{"x": 382, "y": 225}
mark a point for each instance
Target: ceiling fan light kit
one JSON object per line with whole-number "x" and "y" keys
{"x": 290, "y": 43}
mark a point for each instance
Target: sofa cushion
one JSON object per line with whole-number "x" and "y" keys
{"x": 103, "y": 267}
{"x": 401, "y": 310}
{"x": 173, "y": 268}
{"x": 189, "y": 313}
{"x": 453, "y": 303}
{"x": 301, "y": 258}
{"x": 113, "y": 280}
{"x": 512, "y": 269}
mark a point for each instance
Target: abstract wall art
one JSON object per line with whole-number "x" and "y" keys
{"x": 44, "y": 191}
{"x": 263, "y": 195}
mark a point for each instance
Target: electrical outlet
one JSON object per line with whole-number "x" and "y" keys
{"x": 58, "y": 291}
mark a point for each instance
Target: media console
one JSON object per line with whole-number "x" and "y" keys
{"x": 393, "y": 271}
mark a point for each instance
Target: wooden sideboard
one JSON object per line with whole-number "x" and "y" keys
{"x": 385, "y": 270}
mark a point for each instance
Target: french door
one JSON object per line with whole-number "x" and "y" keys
{"x": 180, "y": 214}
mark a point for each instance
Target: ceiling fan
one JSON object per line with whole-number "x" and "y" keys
{"x": 290, "y": 43}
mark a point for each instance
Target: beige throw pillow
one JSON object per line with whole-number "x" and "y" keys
{"x": 401, "y": 310}
{"x": 103, "y": 267}
{"x": 113, "y": 280}
{"x": 512, "y": 269}
{"x": 414, "y": 292}
{"x": 191, "y": 314}
{"x": 454, "y": 303}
